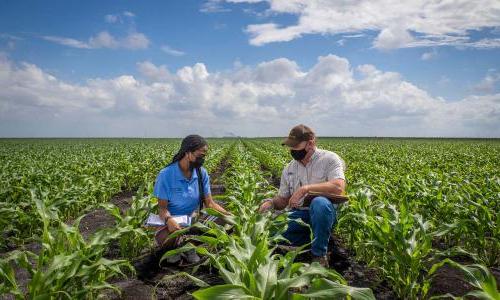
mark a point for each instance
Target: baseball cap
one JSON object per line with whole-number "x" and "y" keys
{"x": 298, "y": 134}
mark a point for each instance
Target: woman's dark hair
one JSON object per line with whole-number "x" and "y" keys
{"x": 190, "y": 143}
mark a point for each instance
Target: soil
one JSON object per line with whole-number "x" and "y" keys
{"x": 356, "y": 273}
{"x": 215, "y": 177}
{"x": 451, "y": 280}
{"x": 99, "y": 218}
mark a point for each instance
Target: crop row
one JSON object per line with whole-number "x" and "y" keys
{"x": 413, "y": 203}
{"x": 243, "y": 251}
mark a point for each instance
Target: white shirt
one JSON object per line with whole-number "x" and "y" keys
{"x": 323, "y": 166}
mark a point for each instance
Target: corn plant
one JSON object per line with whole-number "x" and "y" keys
{"x": 134, "y": 237}
{"x": 67, "y": 266}
{"x": 76, "y": 175}
{"x": 476, "y": 275}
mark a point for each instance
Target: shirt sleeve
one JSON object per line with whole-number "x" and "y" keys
{"x": 284, "y": 191}
{"x": 206, "y": 182}
{"x": 335, "y": 168}
{"x": 160, "y": 190}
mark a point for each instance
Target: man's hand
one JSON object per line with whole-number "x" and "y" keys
{"x": 267, "y": 205}
{"x": 294, "y": 201}
{"x": 172, "y": 225}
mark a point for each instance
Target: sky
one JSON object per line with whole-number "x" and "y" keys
{"x": 249, "y": 68}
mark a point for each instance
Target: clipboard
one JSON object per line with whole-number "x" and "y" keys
{"x": 334, "y": 198}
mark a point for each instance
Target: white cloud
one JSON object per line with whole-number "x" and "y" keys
{"x": 429, "y": 55}
{"x": 104, "y": 39}
{"x": 67, "y": 42}
{"x": 111, "y": 18}
{"x": 444, "y": 80}
{"x": 10, "y": 41}
{"x": 353, "y": 36}
{"x": 171, "y": 51}
{"x": 332, "y": 96}
{"x": 213, "y": 6}
{"x": 455, "y": 41}
{"x": 118, "y": 18}
{"x": 133, "y": 40}
{"x": 488, "y": 84}
{"x": 153, "y": 72}
{"x": 128, "y": 14}
{"x": 392, "y": 38}
{"x": 398, "y": 23}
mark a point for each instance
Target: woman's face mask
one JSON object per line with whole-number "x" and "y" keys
{"x": 198, "y": 161}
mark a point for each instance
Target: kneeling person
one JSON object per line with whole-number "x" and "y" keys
{"x": 311, "y": 170}
{"x": 178, "y": 192}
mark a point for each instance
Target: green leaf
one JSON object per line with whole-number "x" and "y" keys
{"x": 196, "y": 280}
{"x": 325, "y": 289}
{"x": 173, "y": 252}
{"x": 223, "y": 292}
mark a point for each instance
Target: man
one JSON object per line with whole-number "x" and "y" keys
{"x": 311, "y": 170}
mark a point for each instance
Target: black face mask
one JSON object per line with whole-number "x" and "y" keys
{"x": 197, "y": 163}
{"x": 298, "y": 154}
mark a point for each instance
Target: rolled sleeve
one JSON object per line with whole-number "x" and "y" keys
{"x": 206, "y": 182}
{"x": 160, "y": 190}
{"x": 284, "y": 191}
{"x": 335, "y": 169}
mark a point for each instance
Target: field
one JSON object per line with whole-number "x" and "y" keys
{"x": 421, "y": 221}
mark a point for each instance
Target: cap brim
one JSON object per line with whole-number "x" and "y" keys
{"x": 289, "y": 142}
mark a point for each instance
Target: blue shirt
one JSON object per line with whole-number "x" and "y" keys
{"x": 181, "y": 193}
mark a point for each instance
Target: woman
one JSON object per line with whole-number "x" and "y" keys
{"x": 178, "y": 193}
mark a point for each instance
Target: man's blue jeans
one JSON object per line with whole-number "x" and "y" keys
{"x": 321, "y": 216}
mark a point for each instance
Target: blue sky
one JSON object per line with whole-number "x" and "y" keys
{"x": 432, "y": 62}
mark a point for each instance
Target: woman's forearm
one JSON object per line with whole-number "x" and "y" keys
{"x": 217, "y": 207}
{"x": 163, "y": 211}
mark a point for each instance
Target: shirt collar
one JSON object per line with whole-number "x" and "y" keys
{"x": 315, "y": 155}
{"x": 180, "y": 176}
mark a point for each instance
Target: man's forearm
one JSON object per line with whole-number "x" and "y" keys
{"x": 326, "y": 187}
{"x": 279, "y": 203}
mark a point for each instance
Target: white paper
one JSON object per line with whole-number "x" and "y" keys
{"x": 155, "y": 220}
{"x": 182, "y": 220}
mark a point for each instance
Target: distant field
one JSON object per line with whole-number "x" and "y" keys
{"x": 413, "y": 202}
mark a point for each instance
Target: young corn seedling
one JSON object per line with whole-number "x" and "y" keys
{"x": 135, "y": 237}
{"x": 476, "y": 275}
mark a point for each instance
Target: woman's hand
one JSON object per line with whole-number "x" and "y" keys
{"x": 172, "y": 225}
{"x": 221, "y": 209}
{"x": 210, "y": 203}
